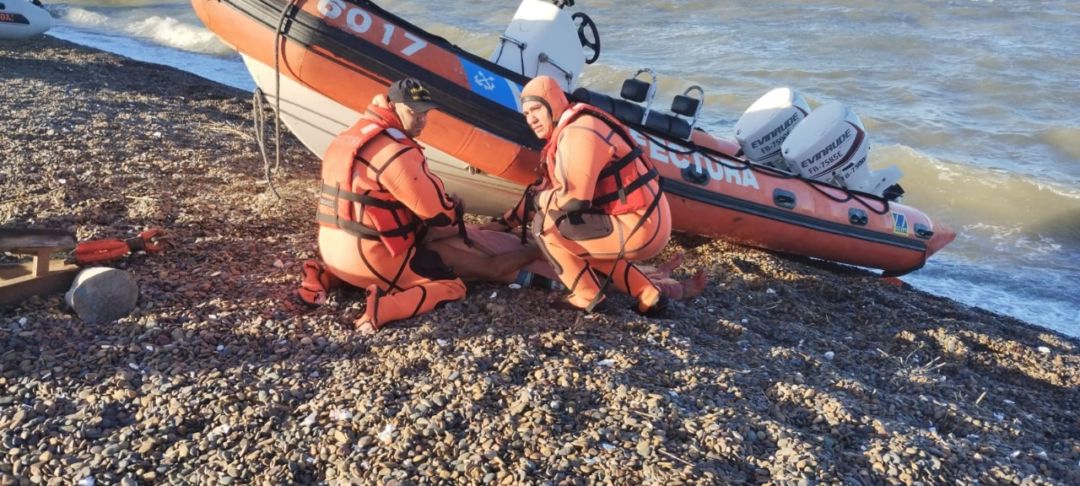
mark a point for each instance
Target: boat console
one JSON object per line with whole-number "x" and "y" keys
{"x": 542, "y": 40}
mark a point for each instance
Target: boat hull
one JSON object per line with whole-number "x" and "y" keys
{"x": 20, "y": 19}
{"x": 330, "y": 67}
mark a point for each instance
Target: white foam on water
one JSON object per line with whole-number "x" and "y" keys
{"x": 166, "y": 26}
{"x": 172, "y": 32}
{"x": 225, "y": 70}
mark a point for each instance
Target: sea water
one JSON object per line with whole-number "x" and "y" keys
{"x": 976, "y": 101}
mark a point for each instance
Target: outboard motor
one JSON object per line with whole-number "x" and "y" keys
{"x": 831, "y": 146}
{"x": 542, "y": 39}
{"x": 764, "y": 126}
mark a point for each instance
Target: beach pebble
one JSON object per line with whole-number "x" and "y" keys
{"x": 829, "y": 355}
{"x": 341, "y": 415}
{"x": 387, "y": 434}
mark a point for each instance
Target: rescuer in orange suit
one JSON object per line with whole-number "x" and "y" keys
{"x": 377, "y": 201}
{"x": 598, "y": 204}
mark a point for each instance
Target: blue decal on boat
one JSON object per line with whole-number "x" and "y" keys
{"x": 900, "y": 224}
{"x": 491, "y": 86}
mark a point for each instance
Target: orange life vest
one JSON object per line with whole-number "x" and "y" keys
{"x": 342, "y": 208}
{"x": 619, "y": 188}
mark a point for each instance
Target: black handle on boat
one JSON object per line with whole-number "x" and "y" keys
{"x": 858, "y": 217}
{"x": 784, "y": 199}
{"x": 594, "y": 43}
{"x": 695, "y": 175}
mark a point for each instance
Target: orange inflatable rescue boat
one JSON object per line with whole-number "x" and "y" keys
{"x": 794, "y": 180}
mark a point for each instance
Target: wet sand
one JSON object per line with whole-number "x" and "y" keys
{"x": 783, "y": 371}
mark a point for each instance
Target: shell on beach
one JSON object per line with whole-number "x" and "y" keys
{"x": 785, "y": 371}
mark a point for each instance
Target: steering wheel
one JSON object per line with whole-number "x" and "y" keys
{"x": 594, "y": 43}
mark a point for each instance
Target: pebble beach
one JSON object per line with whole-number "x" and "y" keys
{"x": 784, "y": 371}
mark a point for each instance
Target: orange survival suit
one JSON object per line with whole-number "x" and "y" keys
{"x": 598, "y": 204}
{"x": 378, "y": 197}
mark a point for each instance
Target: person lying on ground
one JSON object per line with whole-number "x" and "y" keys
{"x": 498, "y": 256}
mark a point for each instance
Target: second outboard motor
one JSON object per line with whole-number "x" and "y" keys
{"x": 831, "y": 146}
{"x": 764, "y": 126}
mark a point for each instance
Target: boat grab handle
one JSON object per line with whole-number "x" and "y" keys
{"x": 695, "y": 175}
{"x": 784, "y": 199}
{"x": 858, "y": 217}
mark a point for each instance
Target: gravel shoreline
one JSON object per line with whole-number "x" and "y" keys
{"x": 782, "y": 372}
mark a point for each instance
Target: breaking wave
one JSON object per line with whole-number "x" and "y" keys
{"x": 169, "y": 26}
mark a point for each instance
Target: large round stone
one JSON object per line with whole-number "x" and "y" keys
{"x": 100, "y": 295}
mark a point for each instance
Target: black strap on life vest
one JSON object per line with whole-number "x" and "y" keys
{"x": 613, "y": 169}
{"x": 354, "y": 228}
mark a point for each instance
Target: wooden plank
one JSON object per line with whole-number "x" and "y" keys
{"x": 41, "y": 263}
{"x": 18, "y": 282}
{"x": 27, "y": 240}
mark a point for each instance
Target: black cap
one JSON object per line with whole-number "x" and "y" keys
{"x": 412, "y": 93}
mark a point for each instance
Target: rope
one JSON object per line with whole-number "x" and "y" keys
{"x": 259, "y": 111}
{"x": 259, "y": 117}
{"x": 746, "y": 165}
